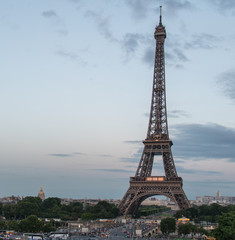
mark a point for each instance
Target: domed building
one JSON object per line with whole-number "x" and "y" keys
{"x": 41, "y": 194}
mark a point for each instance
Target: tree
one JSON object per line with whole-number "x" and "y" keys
{"x": 31, "y": 199}
{"x": 49, "y": 203}
{"x": 104, "y": 209}
{"x": 9, "y": 211}
{"x": 24, "y": 209}
{"x": 202, "y": 231}
{"x": 87, "y": 216}
{"x": 30, "y": 224}
{"x": 168, "y": 225}
{"x": 2, "y": 225}
{"x": 48, "y": 227}
{"x": 226, "y": 228}
{"x": 12, "y": 225}
{"x": 186, "y": 228}
{"x": 51, "y": 207}
{"x": 76, "y": 209}
{"x": 0, "y": 209}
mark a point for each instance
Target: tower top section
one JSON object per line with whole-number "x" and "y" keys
{"x": 160, "y": 29}
{"x": 158, "y": 129}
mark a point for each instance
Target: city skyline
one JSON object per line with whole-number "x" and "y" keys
{"x": 76, "y": 86}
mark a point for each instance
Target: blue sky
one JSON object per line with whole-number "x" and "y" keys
{"x": 76, "y": 82}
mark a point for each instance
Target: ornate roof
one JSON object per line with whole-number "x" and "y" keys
{"x": 41, "y": 194}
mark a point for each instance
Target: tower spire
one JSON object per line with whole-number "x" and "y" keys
{"x": 160, "y": 21}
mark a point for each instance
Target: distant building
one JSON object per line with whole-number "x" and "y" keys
{"x": 85, "y": 201}
{"x": 218, "y": 195}
{"x": 218, "y": 198}
{"x": 154, "y": 201}
{"x": 198, "y": 199}
{"x": 10, "y": 200}
{"x": 41, "y": 194}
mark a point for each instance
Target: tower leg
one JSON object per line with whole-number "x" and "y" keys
{"x": 141, "y": 190}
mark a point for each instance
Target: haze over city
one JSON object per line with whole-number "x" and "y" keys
{"x": 76, "y": 83}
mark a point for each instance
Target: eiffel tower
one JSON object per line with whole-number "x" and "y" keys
{"x": 157, "y": 142}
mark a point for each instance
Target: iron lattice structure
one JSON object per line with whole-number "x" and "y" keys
{"x": 157, "y": 142}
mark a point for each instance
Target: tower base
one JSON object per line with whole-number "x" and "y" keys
{"x": 143, "y": 188}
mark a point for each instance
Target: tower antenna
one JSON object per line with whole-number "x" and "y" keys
{"x": 160, "y": 15}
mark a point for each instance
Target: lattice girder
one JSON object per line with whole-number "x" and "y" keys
{"x": 152, "y": 148}
{"x": 157, "y": 142}
{"x": 140, "y": 190}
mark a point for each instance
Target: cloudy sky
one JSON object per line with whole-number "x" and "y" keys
{"x": 76, "y": 82}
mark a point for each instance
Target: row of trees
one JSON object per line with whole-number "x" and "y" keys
{"x": 30, "y": 224}
{"x": 52, "y": 208}
{"x": 168, "y": 225}
{"x": 224, "y": 216}
{"x": 151, "y": 209}
{"x": 208, "y": 213}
